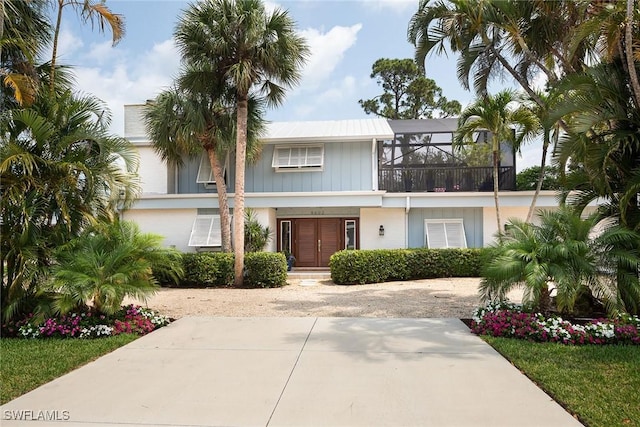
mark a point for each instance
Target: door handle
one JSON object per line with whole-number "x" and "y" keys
{"x": 319, "y": 245}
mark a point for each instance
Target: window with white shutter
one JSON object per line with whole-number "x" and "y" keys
{"x": 291, "y": 158}
{"x": 206, "y": 231}
{"x": 205, "y": 173}
{"x": 445, "y": 233}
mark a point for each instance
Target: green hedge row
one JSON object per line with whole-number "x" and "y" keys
{"x": 382, "y": 265}
{"x": 215, "y": 269}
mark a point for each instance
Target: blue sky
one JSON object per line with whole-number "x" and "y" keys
{"x": 345, "y": 38}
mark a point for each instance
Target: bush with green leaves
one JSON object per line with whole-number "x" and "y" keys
{"x": 207, "y": 269}
{"x": 256, "y": 236}
{"x": 107, "y": 263}
{"x": 381, "y": 265}
{"x": 265, "y": 270}
{"x": 565, "y": 250}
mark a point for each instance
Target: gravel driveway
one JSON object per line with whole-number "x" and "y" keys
{"x": 450, "y": 297}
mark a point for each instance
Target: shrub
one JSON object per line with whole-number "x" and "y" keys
{"x": 381, "y": 265}
{"x": 207, "y": 269}
{"x": 265, "y": 270}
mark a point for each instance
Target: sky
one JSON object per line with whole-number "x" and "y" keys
{"x": 345, "y": 39}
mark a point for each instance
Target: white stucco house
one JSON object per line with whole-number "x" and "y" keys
{"x": 329, "y": 185}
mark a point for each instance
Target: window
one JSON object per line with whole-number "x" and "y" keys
{"x": 205, "y": 173}
{"x": 206, "y": 231}
{"x": 445, "y": 233}
{"x": 298, "y": 158}
{"x": 350, "y": 234}
{"x": 285, "y": 236}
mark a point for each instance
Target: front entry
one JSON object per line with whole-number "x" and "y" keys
{"x": 312, "y": 241}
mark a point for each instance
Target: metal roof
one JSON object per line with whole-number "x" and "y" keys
{"x": 330, "y": 130}
{"x": 424, "y": 125}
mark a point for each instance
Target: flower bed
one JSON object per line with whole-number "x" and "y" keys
{"x": 503, "y": 319}
{"x": 131, "y": 319}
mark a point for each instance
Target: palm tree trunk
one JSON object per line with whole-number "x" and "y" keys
{"x": 54, "y": 51}
{"x": 543, "y": 161}
{"x": 223, "y": 202}
{"x": 496, "y": 186}
{"x": 238, "y": 208}
{"x": 628, "y": 42}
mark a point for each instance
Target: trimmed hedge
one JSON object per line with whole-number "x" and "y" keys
{"x": 207, "y": 269}
{"x": 381, "y": 265}
{"x": 265, "y": 270}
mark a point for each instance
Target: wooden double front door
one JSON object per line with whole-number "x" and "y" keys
{"x": 313, "y": 240}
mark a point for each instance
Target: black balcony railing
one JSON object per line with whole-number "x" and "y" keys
{"x": 448, "y": 178}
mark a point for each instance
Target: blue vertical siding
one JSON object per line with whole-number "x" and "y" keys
{"x": 472, "y": 218}
{"x": 347, "y": 167}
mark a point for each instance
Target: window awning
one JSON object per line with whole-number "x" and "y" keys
{"x": 206, "y": 231}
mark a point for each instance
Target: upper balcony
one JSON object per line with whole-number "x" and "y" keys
{"x": 422, "y": 158}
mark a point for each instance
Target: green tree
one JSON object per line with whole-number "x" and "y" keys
{"x": 196, "y": 116}
{"x": 561, "y": 250}
{"x": 497, "y": 115}
{"x": 529, "y": 178}
{"x": 108, "y": 263}
{"x": 61, "y": 171}
{"x": 256, "y": 51}
{"x": 408, "y": 94}
{"x": 256, "y": 236}
{"x": 24, "y": 32}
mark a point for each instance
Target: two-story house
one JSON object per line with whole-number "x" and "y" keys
{"x": 324, "y": 186}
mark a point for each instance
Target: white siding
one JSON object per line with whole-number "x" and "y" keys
{"x": 152, "y": 171}
{"x": 174, "y": 224}
{"x": 393, "y": 221}
{"x": 133, "y": 123}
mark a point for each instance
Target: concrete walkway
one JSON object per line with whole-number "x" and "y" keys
{"x": 202, "y": 371}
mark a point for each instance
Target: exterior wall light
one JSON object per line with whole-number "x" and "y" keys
{"x": 381, "y": 230}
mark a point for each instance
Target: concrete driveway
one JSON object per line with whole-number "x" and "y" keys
{"x": 206, "y": 371}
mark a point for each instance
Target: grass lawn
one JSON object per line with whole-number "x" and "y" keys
{"x": 27, "y": 364}
{"x": 600, "y": 384}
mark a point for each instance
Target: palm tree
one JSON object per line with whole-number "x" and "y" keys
{"x": 256, "y": 52}
{"x": 562, "y": 250}
{"x": 108, "y": 263}
{"x": 496, "y": 115}
{"x": 61, "y": 171}
{"x": 95, "y": 12}
{"x": 550, "y": 129}
{"x": 24, "y": 33}
{"x": 181, "y": 122}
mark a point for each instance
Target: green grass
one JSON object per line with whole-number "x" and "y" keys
{"x": 27, "y": 364}
{"x": 599, "y": 384}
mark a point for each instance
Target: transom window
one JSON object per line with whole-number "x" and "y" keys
{"x": 445, "y": 233}
{"x": 206, "y": 231}
{"x": 305, "y": 157}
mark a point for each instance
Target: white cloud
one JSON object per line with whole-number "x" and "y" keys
{"x": 333, "y": 95}
{"x": 398, "y": 6}
{"x": 68, "y": 45}
{"x": 327, "y": 50}
{"x": 132, "y": 81}
{"x": 104, "y": 53}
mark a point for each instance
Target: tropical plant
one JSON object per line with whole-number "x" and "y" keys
{"x": 61, "y": 171}
{"x": 567, "y": 251}
{"x": 107, "y": 263}
{"x": 496, "y": 114}
{"x": 256, "y": 236}
{"x": 257, "y": 52}
{"x": 408, "y": 94}
{"x": 95, "y": 12}
{"x": 24, "y": 33}
{"x": 529, "y": 178}
{"x": 198, "y": 115}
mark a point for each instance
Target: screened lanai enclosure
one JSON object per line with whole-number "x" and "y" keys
{"x": 422, "y": 158}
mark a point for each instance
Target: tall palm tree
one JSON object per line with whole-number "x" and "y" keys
{"x": 496, "y": 114}
{"x": 61, "y": 171}
{"x": 184, "y": 120}
{"x": 257, "y": 52}
{"x": 95, "y": 12}
{"x": 550, "y": 129}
